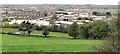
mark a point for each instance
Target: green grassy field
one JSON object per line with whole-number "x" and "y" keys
{"x": 13, "y": 43}
{"x": 36, "y": 32}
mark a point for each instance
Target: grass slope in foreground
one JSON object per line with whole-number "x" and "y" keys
{"x": 13, "y": 43}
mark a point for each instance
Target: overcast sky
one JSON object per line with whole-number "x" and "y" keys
{"x": 97, "y": 2}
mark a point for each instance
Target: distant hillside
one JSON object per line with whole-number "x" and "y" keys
{"x": 51, "y": 8}
{"x": 64, "y": 6}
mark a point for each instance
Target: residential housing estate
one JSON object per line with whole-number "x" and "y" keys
{"x": 65, "y": 15}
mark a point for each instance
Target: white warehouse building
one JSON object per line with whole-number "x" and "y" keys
{"x": 39, "y": 23}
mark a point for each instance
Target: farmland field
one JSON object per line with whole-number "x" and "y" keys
{"x": 14, "y": 43}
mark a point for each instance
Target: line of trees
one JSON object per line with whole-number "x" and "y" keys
{"x": 7, "y": 25}
{"x": 95, "y": 30}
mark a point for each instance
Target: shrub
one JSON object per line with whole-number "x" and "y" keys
{"x": 80, "y": 18}
{"x": 40, "y": 27}
{"x": 99, "y": 29}
{"x": 84, "y": 31}
{"x": 46, "y": 31}
{"x": 14, "y": 25}
{"x": 54, "y": 28}
{"x": 74, "y": 30}
{"x": 112, "y": 43}
{"x": 6, "y": 25}
{"x": 26, "y": 26}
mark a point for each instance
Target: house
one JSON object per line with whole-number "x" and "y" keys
{"x": 99, "y": 17}
{"x": 67, "y": 17}
{"x": 65, "y": 23}
{"x": 84, "y": 15}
